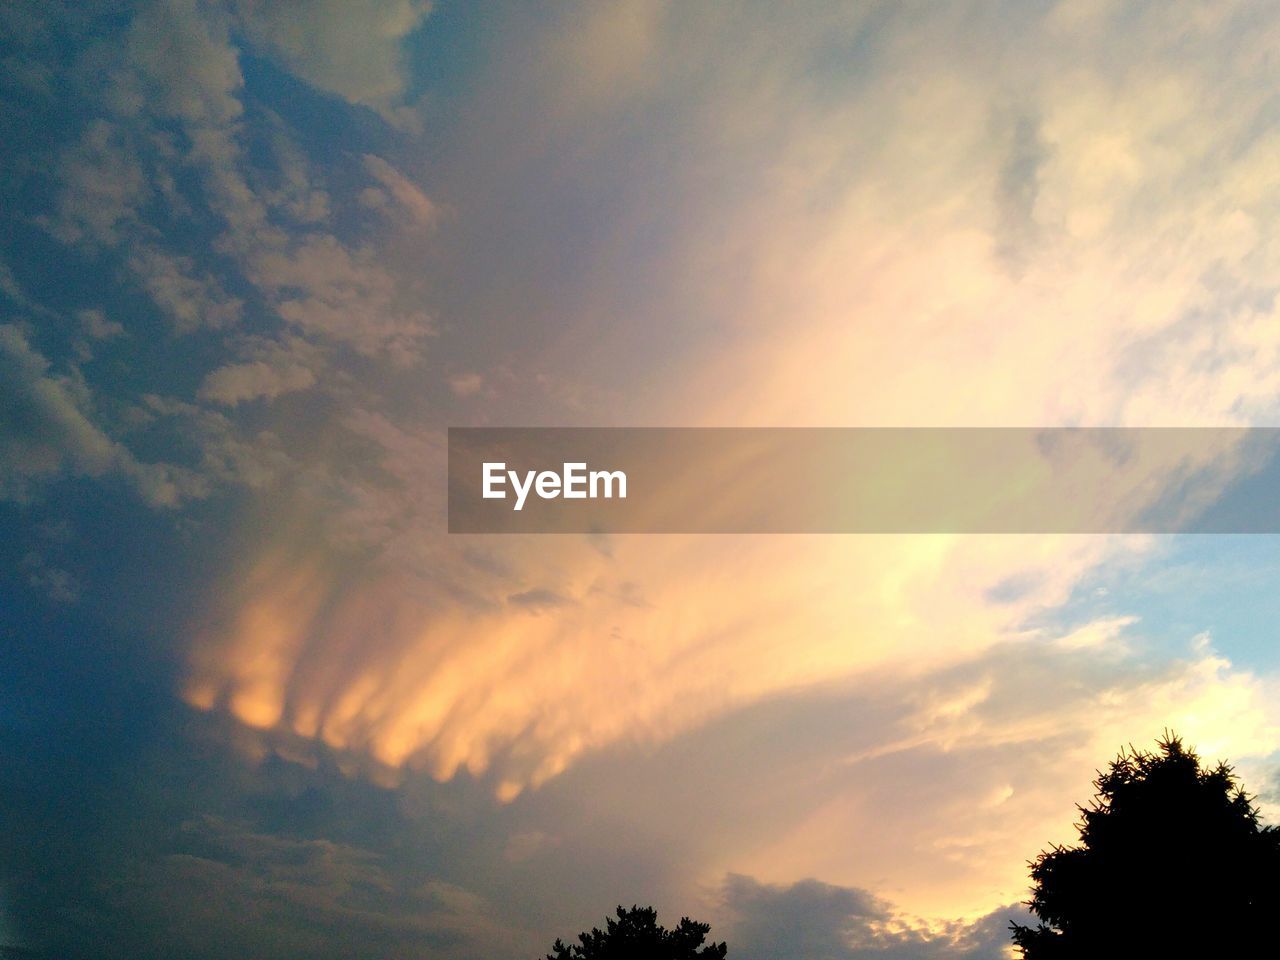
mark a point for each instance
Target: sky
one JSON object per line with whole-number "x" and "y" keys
{"x": 256, "y": 702}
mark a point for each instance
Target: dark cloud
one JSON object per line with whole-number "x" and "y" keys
{"x": 819, "y": 921}
{"x": 539, "y": 598}
{"x": 1017, "y": 189}
{"x": 178, "y": 838}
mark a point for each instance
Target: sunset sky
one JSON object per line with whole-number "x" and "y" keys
{"x": 256, "y": 702}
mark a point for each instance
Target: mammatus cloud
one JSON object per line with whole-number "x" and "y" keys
{"x": 897, "y": 263}
{"x": 659, "y": 214}
{"x": 437, "y": 684}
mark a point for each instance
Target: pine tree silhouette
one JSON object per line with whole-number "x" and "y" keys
{"x": 636, "y": 935}
{"x": 1172, "y": 862}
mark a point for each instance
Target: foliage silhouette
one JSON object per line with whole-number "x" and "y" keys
{"x": 635, "y": 935}
{"x": 1172, "y": 862}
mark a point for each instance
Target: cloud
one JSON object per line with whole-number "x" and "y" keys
{"x": 114, "y": 181}
{"x": 97, "y": 326}
{"x": 103, "y": 186}
{"x": 57, "y": 584}
{"x": 876, "y": 223}
{"x": 820, "y": 921}
{"x": 272, "y": 369}
{"x": 931, "y": 789}
{"x": 192, "y": 302}
{"x": 982, "y": 769}
{"x": 411, "y": 203}
{"x": 165, "y": 187}
{"x": 328, "y": 290}
{"x": 466, "y": 384}
{"x": 538, "y": 598}
{"x": 292, "y": 895}
{"x": 244, "y": 853}
{"x": 238, "y": 382}
{"x": 863, "y": 176}
{"x": 47, "y": 428}
{"x": 49, "y": 432}
{"x": 41, "y": 564}
{"x": 663, "y": 214}
{"x": 1016, "y": 192}
{"x": 127, "y": 182}
{"x": 353, "y": 50}
{"x": 12, "y": 289}
{"x": 177, "y": 52}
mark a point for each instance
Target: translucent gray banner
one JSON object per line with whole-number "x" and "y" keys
{"x": 864, "y": 480}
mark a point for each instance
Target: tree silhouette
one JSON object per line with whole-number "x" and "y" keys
{"x": 635, "y": 935}
{"x": 1172, "y": 862}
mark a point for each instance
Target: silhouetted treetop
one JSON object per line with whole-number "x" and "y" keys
{"x": 1172, "y": 862}
{"x": 636, "y": 935}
